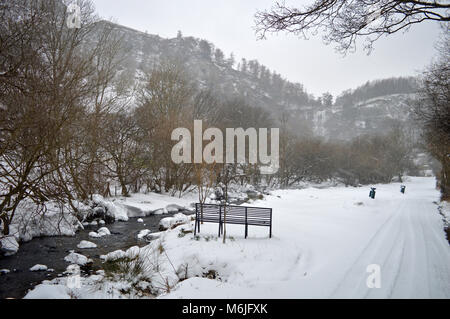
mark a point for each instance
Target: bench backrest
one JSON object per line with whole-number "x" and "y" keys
{"x": 234, "y": 214}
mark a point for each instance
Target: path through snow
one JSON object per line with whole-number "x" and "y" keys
{"x": 331, "y": 236}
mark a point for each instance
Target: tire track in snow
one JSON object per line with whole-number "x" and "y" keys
{"x": 368, "y": 252}
{"x": 403, "y": 280}
{"x": 413, "y": 256}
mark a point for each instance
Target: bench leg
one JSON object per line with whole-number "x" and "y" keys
{"x": 246, "y": 231}
{"x": 270, "y": 234}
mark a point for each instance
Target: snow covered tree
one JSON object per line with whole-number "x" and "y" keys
{"x": 219, "y": 57}
{"x": 205, "y": 49}
{"x": 231, "y": 61}
{"x": 327, "y": 99}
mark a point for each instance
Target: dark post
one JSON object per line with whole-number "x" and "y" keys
{"x": 246, "y": 224}
{"x": 270, "y": 223}
{"x": 198, "y": 223}
{"x": 196, "y": 219}
{"x": 220, "y": 219}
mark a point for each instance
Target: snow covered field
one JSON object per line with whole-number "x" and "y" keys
{"x": 324, "y": 240}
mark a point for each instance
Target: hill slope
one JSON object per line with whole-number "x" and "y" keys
{"x": 373, "y": 107}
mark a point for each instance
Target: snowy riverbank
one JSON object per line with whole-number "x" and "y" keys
{"x": 324, "y": 241}
{"x": 63, "y": 222}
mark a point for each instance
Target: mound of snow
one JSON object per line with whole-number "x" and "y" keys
{"x": 78, "y": 259}
{"x": 104, "y": 232}
{"x": 173, "y": 208}
{"x": 26, "y": 225}
{"x": 161, "y": 211}
{"x": 171, "y": 222}
{"x": 94, "y": 234}
{"x": 117, "y": 254}
{"x": 119, "y": 213}
{"x": 140, "y": 220}
{"x": 39, "y": 267}
{"x": 84, "y": 244}
{"x": 100, "y": 233}
{"x": 131, "y": 253}
{"x": 9, "y": 245}
{"x": 143, "y": 233}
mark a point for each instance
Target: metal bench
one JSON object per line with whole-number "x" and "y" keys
{"x": 237, "y": 215}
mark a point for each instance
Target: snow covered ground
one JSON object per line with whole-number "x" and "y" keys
{"x": 141, "y": 205}
{"x": 324, "y": 243}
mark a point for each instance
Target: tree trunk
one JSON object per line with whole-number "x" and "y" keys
{"x": 123, "y": 186}
{"x": 225, "y": 215}
{"x": 445, "y": 178}
{"x": 5, "y": 223}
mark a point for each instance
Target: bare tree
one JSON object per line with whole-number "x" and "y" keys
{"x": 166, "y": 103}
{"x": 344, "y": 21}
{"x": 47, "y": 79}
{"x": 433, "y": 111}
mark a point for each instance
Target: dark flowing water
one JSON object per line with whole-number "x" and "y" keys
{"x": 50, "y": 251}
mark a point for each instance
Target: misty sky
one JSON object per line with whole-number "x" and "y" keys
{"x": 229, "y": 24}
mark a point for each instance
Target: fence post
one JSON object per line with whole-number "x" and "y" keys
{"x": 196, "y": 219}
{"x": 198, "y": 224}
{"x": 270, "y": 223}
{"x": 220, "y": 218}
{"x": 246, "y": 223}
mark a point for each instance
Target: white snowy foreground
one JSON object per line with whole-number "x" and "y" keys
{"x": 325, "y": 241}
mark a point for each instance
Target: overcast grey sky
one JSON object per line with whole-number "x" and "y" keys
{"x": 229, "y": 24}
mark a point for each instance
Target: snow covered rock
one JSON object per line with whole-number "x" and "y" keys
{"x": 147, "y": 235}
{"x": 100, "y": 233}
{"x": 133, "y": 252}
{"x": 84, "y": 244}
{"x": 140, "y": 220}
{"x": 172, "y": 222}
{"x": 94, "y": 234}
{"x": 4, "y": 271}
{"x": 118, "y": 254}
{"x": 78, "y": 259}
{"x": 161, "y": 211}
{"x": 110, "y": 208}
{"x": 104, "y": 232}
{"x": 173, "y": 208}
{"x": 9, "y": 245}
{"x": 39, "y": 267}
{"x": 144, "y": 233}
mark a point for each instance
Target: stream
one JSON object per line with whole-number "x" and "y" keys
{"x": 50, "y": 251}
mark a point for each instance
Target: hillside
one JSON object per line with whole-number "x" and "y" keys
{"x": 372, "y": 108}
